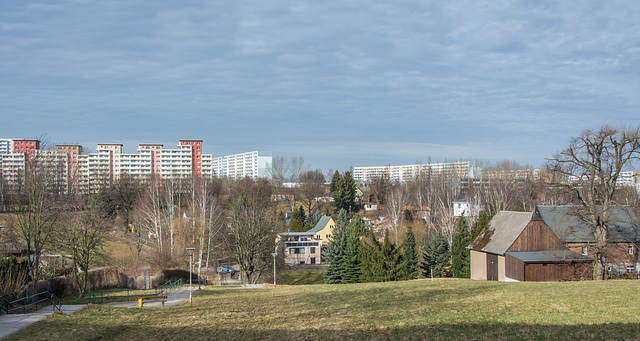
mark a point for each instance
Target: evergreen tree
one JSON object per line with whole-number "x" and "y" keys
{"x": 392, "y": 260}
{"x": 334, "y": 255}
{"x": 409, "y": 257}
{"x": 460, "y": 255}
{"x": 315, "y": 218}
{"x": 344, "y": 197}
{"x": 333, "y": 186}
{"x": 296, "y": 224}
{"x": 342, "y": 220}
{"x": 483, "y": 220}
{"x": 351, "y": 272}
{"x": 408, "y": 216}
{"x": 436, "y": 257}
{"x": 372, "y": 265}
{"x": 303, "y": 215}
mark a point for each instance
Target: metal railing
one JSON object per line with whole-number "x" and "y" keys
{"x": 30, "y": 301}
{"x": 101, "y": 296}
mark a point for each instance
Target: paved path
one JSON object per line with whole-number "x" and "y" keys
{"x": 11, "y": 323}
{"x": 174, "y": 298}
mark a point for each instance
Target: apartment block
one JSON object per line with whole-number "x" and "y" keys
{"x": 26, "y": 147}
{"x": 251, "y": 164}
{"x": 114, "y": 149}
{"x": 72, "y": 152}
{"x": 461, "y": 169}
{"x": 196, "y": 154}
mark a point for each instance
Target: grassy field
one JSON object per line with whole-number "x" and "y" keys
{"x": 414, "y": 310}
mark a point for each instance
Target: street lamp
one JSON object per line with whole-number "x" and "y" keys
{"x": 190, "y": 250}
{"x": 274, "y": 268}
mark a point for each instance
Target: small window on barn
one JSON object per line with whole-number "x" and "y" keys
{"x": 630, "y": 269}
{"x": 630, "y": 249}
{"x": 584, "y": 250}
{"x": 545, "y": 264}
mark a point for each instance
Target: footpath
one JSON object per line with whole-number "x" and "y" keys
{"x": 11, "y": 323}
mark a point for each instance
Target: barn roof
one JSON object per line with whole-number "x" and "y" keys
{"x": 550, "y": 256}
{"x": 501, "y": 232}
{"x": 567, "y": 222}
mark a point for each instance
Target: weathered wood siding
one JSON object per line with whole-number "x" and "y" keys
{"x": 537, "y": 236}
{"x": 514, "y": 268}
{"x": 492, "y": 267}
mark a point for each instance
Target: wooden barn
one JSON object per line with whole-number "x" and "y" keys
{"x": 519, "y": 246}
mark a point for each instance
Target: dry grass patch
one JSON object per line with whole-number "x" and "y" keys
{"x": 414, "y": 310}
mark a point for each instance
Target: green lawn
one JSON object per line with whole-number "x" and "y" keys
{"x": 418, "y": 310}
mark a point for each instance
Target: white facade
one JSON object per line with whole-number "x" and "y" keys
{"x": 6, "y": 146}
{"x": 251, "y": 164}
{"x": 13, "y": 168}
{"x": 404, "y": 173}
{"x": 138, "y": 165}
{"x": 176, "y": 163}
{"x": 94, "y": 171}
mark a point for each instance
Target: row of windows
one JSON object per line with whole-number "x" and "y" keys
{"x": 630, "y": 250}
{"x": 300, "y": 250}
{"x": 302, "y": 260}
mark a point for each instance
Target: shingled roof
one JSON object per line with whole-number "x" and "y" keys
{"x": 501, "y": 232}
{"x": 567, "y": 224}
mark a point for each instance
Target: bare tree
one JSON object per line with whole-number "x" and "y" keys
{"x": 311, "y": 187}
{"x": 590, "y": 166}
{"x": 83, "y": 236}
{"x": 394, "y": 202}
{"x": 251, "y": 231}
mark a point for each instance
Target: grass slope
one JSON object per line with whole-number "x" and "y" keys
{"x": 413, "y": 310}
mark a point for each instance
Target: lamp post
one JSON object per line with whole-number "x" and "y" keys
{"x": 274, "y": 268}
{"x": 190, "y": 250}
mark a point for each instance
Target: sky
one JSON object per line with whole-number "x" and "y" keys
{"x": 340, "y": 83}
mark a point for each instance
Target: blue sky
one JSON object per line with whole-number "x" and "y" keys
{"x": 340, "y": 83}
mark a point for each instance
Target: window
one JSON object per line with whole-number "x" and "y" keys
{"x": 630, "y": 269}
{"x": 302, "y": 260}
{"x": 317, "y": 236}
{"x": 313, "y": 260}
{"x": 313, "y": 250}
{"x": 296, "y": 251}
{"x": 584, "y": 250}
{"x": 292, "y": 261}
{"x": 630, "y": 249}
{"x": 328, "y": 236}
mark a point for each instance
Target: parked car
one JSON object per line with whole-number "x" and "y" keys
{"x": 226, "y": 268}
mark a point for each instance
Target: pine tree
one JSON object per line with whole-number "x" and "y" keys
{"x": 342, "y": 220}
{"x": 372, "y": 265}
{"x": 409, "y": 257}
{"x": 315, "y": 218}
{"x": 333, "y": 186}
{"x": 483, "y": 220}
{"x": 436, "y": 257}
{"x": 344, "y": 197}
{"x": 392, "y": 270}
{"x": 296, "y": 224}
{"x": 334, "y": 255}
{"x": 351, "y": 272}
{"x": 460, "y": 255}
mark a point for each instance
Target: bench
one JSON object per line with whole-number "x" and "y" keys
{"x": 161, "y": 297}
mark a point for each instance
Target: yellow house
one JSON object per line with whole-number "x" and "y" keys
{"x": 306, "y": 247}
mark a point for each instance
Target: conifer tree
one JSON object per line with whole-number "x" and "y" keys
{"x": 296, "y": 224}
{"x": 334, "y": 255}
{"x": 342, "y": 220}
{"x": 333, "y": 186}
{"x": 344, "y": 197}
{"x": 392, "y": 258}
{"x": 483, "y": 220}
{"x": 351, "y": 272}
{"x": 436, "y": 257}
{"x": 460, "y": 255}
{"x": 315, "y": 218}
{"x": 409, "y": 257}
{"x": 372, "y": 265}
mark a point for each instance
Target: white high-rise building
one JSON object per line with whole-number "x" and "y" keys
{"x": 94, "y": 171}
{"x": 176, "y": 163}
{"x": 461, "y": 169}
{"x": 250, "y": 164}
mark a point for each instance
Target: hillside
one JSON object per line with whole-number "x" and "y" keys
{"x": 422, "y": 309}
